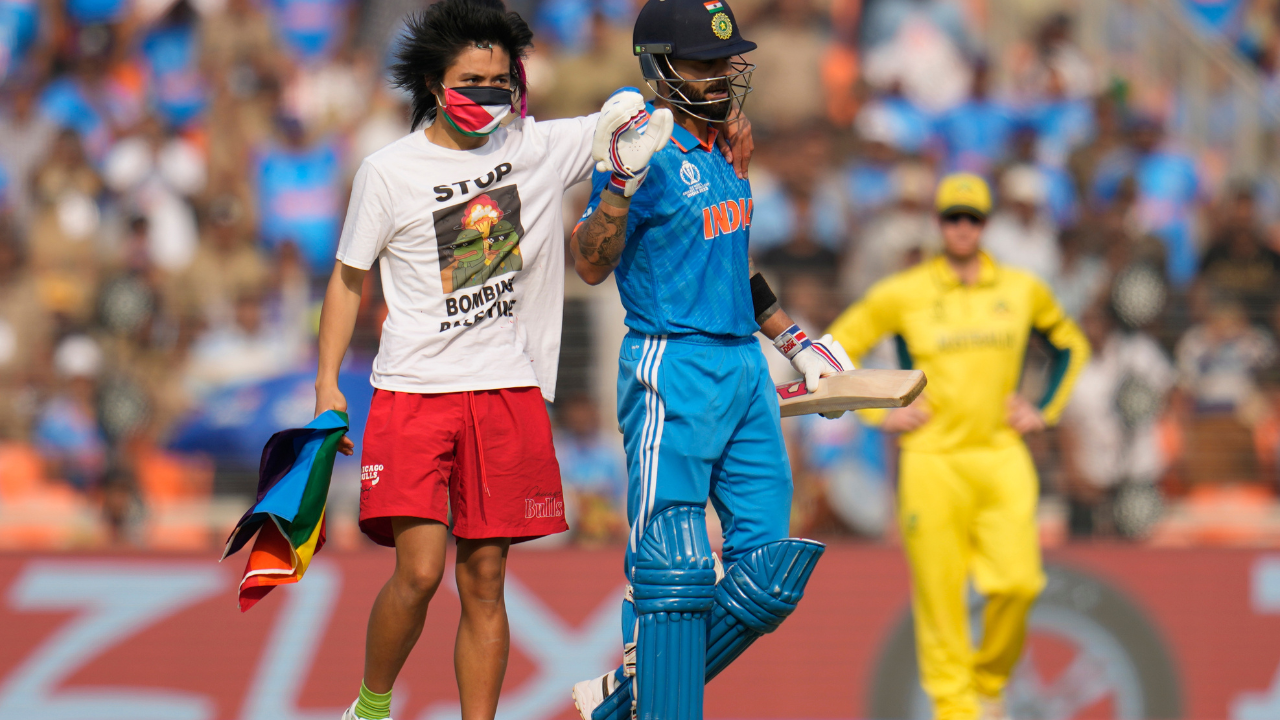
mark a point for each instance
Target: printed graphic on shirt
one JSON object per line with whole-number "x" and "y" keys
{"x": 479, "y": 239}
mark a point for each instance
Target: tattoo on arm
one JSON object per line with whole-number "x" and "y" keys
{"x": 602, "y": 239}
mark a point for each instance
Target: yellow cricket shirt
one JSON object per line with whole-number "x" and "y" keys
{"x": 970, "y": 342}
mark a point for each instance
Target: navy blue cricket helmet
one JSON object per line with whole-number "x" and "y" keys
{"x": 669, "y": 30}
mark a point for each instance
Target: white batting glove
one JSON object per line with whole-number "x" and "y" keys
{"x": 626, "y": 138}
{"x": 810, "y": 360}
{"x": 834, "y": 352}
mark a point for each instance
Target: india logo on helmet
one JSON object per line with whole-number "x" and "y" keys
{"x": 722, "y": 26}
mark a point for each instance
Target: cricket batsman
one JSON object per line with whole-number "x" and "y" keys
{"x": 967, "y": 490}
{"x": 698, "y": 411}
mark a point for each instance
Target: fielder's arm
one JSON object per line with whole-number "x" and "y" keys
{"x": 1070, "y": 351}
{"x": 865, "y": 322}
{"x": 862, "y": 325}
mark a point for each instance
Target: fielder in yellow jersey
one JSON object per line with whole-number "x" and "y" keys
{"x": 967, "y": 488}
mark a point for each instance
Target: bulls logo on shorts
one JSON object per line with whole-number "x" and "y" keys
{"x": 368, "y": 478}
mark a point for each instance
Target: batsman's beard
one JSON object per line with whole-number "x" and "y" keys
{"x": 714, "y": 110}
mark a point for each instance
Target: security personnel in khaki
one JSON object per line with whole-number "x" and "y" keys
{"x": 967, "y": 490}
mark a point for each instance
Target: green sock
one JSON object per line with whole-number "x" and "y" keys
{"x": 371, "y": 705}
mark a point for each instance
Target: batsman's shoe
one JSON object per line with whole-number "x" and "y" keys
{"x": 350, "y": 714}
{"x": 590, "y": 694}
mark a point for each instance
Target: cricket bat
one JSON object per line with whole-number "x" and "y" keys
{"x": 852, "y": 390}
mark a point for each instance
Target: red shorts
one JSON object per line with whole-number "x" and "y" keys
{"x": 486, "y": 455}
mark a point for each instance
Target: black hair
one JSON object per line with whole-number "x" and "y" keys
{"x": 435, "y": 37}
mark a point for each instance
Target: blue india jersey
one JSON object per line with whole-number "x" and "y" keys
{"x": 685, "y": 268}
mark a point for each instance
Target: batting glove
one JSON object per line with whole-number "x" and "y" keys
{"x": 626, "y": 138}
{"x": 811, "y": 360}
{"x": 834, "y": 352}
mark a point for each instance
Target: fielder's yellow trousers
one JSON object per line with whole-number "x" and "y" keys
{"x": 969, "y": 514}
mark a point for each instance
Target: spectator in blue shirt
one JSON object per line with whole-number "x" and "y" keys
{"x": 66, "y": 431}
{"x": 311, "y": 29}
{"x": 569, "y": 22}
{"x": 1222, "y": 18}
{"x": 882, "y": 21}
{"x": 869, "y": 176}
{"x": 19, "y": 26}
{"x": 975, "y": 134}
{"x": 297, "y": 186}
{"x": 66, "y": 103}
{"x": 1168, "y": 192}
{"x": 909, "y": 127}
{"x": 798, "y": 193}
{"x": 93, "y": 12}
{"x": 1062, "y": 122}
{"x": 593, "y": 471}
{"x": 1060, "y": 198}
{"x": 171, "y": 51}
{"x": 852, "y": 461}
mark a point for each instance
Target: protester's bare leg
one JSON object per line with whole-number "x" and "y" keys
{"x": 484, "y": 638}
{"x": 401, "y": 608}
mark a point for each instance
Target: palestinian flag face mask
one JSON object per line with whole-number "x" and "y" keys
{"x": 476, "y": 111}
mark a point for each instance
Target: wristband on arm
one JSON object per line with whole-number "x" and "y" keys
{"x": 615, "y": 198}
{"x": 792, "y": 341}
{"x": 763, "y": 301}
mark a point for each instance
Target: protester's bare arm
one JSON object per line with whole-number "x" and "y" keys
{"x": 337, "y": 322}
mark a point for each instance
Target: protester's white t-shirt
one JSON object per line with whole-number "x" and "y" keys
{"x": 466, "y": 311}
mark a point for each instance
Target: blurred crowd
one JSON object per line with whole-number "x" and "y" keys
{"x": 173, "y": 177}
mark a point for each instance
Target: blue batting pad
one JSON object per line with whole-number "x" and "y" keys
{"x": 757, "y": 593}
{"x": 755, "y": 596}
{"x": 673, "y": 581}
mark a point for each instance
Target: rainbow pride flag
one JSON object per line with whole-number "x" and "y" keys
{"x": 288, "y": 517}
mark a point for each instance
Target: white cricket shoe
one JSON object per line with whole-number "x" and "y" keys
{"x": 992, "y": 709}
{"x": 350, "y": 714}
{"x": 588, "y": 694}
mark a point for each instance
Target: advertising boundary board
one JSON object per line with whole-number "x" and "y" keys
{"x": 1119, "y": 632}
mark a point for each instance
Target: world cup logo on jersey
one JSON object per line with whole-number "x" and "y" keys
{"x": 692, "y": 177}
{"x": 689, "y": 173}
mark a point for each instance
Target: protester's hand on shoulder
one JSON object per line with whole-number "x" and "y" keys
{"x": 736, "y": 142}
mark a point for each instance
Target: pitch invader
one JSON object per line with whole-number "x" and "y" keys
{"x": 462, "y": 216}
{"x": 698, "y": 411}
